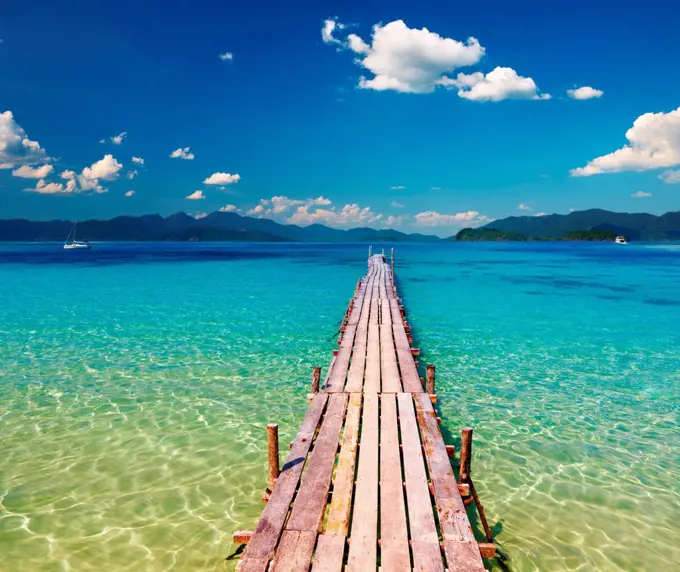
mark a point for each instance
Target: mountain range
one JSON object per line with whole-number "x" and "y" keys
{"x": 222, "y": 226}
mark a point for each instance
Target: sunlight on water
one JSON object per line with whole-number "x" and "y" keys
{"x": 137, "y": 381}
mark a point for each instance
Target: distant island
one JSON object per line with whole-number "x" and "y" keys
{"x": 488, "y": 234}
{"x": 590, "y": 225}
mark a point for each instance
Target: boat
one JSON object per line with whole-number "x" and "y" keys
{"x": 620, "y": 240}
{"x": 72, "y": 244}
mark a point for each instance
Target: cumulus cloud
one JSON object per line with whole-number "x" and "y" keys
{"x": 524, "y": 207}
{"x": 410, "y": 60}
{"x": 118, "y": 139}
{"x": 106, "y": 168}
{"x": 641, "y": 195}
{"x": 46, "y": 188}
{"x": 392, "y": 221}
{"x": 222, "y": 179}
{"x": 132, "y": 174}
{"x": 182, "y": 153}
{"x": 26, "y": 172}
{"x": 670, "y": 177}
{"x": 349, "y": 215}
{"x": 129, "y": 193}
{"x": 329, "y": 26}
{"x": 199, "y": 215}
{"x": 432, "y": 218}
{"x": 653, "y": 142}
{"x": 138, "y": 160}
{"x": 585, "y": 92}
{"x": 228, "y": 209}
{"x": 499, "y": 84}
{"x": 196, "y": 195}
{"x": 15, "y": 147}
{"x": 226, "y": 56}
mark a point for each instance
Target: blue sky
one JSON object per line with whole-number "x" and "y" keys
{"x": 462, "y": 116}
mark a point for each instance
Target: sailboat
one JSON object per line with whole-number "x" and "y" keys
{"x": 73, "y": 244}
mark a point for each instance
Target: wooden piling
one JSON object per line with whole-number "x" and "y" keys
{"x": 273, "y": 441}
{"x": 316, "y": 378}
{"x": 429, "y": 380}
{"x": 465, "y": 454}
{"x": 392, "y": 264}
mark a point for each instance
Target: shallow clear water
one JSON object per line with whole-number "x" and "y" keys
{"x": 136, "y": 381}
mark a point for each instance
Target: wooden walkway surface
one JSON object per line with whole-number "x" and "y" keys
{"x": 368, "y": 482}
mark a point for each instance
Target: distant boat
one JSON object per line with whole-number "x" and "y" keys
{"x": 73, "y": 244}
{"x": 621, "y": 240}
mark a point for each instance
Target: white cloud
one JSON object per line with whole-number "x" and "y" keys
{"x": 15, "y": 147}
{"x": 228, "y": 209}
{"x": 392, "y": 221}
{"x": 26, "y": 172}
{"x": 670, "y": 177}
{"x": 497, "y": 85}
{"x": 641, "y": 195}
{"x": 132, "y": 174}
{"x": 406, "y": 59}
{"x": 329, "y": 26}
{"x": 397, "y": 188}
{"x": 259, "y": 211}
{"x": 138, "y": 160}
{"x": 46, "y": 188}
{"x": 129, "y": 193}
{"x": 524, "y": 207}
{"x": 222, "y": 179}
{"x": 432, "y": 218}
{"x": 396, "y": 205}
{"x": 541, "y": 214}
{"x": 226, "y": 56}
{"x": 654, "y": 142}
{"x": 585, "y": 92}
{"x": 196, "y": 195}
{"x": 106, "y": 168}
{"x": 118, "y": 139}
{"x": 349, "y": 215}
{"x": 182, "y": 153}
{"x": 199, "y": 215}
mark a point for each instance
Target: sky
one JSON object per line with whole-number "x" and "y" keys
{"x": 423, "y": 116}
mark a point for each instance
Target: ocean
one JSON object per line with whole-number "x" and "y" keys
{"x": 136, "y": 381}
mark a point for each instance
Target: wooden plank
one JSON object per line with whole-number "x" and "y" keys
{"x": 425, "y": 542}
{"x": 310, "y": 501}
{"x": 372, "y": 375}
{"x": 295, "y": 551}
{"x": 364, "y": 536}
{"x": 395, "y": 312}
{"x": 394, "y": 548}
{"x": 382, "y": 283}
{"x": 336, "y": 381}
{"x": 391, "y": 382}
{"x": 253, "y": 565}
{"x": 343, "y": 483}
{"x": 329, "y": 553}
{"x": 270, "y": 525}
{"x": 409, "y": 371}
{"x": 355, "y": 377}
{"x": 460, "y": 546}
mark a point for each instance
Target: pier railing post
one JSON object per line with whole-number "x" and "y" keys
{"x": 429, "y": 379}
{"x": 273, "y": 441}
{"x": 370, "y": 251}
{"x": 392, "y": 264}
{"x": 316, "y": 377}
{"x": 465, "y": 454}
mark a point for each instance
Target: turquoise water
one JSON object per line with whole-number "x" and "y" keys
{"x": 136, "y": 382}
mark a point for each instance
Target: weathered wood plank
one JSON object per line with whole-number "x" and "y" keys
{"x": 409, "y": 372}
{"x": 372, "y": 375}
{"x": 253, "y": 565}
{"x": 394, "y": 548}
{"x": 396, "y": 313}
{"x": 270, "y": 525}
{"x": 294, "y": 554}
{"x": 459, "y": 542}
{"x": 310, "y": 502}
{"x": 355, "y": 377}
{"x": 329, "y": 553}
{"x": 336, "y": 380}
{"x": 343, "y": 483}
{"x": 426, "y": 552}
{"x": 391, "y": 382}
{"x": 364, "y": 535}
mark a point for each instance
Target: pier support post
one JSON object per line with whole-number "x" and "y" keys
{"x": 273, "y": 439}
{"x": 370, "y": 251}
{"x": 392, "y": 264}
{"x": 316, "y": 377}
{"x": 429, "y": 379}
{"x": 465, "y": 454}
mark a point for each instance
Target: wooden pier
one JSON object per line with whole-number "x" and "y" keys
{"x": 368, "y": 482}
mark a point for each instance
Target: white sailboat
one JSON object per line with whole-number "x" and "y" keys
{"x": 73, "y": 244}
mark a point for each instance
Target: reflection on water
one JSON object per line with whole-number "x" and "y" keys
{"x": 136, "y": 385}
